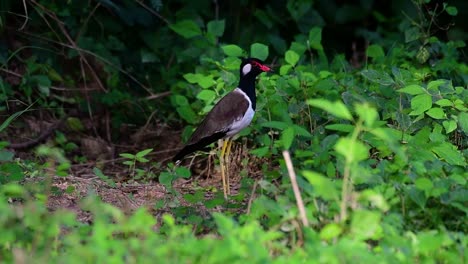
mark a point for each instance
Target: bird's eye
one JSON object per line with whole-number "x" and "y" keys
{"x": 246, "y": 69}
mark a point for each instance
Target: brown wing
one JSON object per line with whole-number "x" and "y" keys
{"x": 216, "y": 124}
{"x": 230, "y": 108}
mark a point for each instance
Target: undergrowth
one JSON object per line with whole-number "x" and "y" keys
{"x": 378, "y": 142}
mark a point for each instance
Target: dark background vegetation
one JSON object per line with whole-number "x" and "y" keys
{"x": 96, "y": 97}
{"x": 134, "y": 37}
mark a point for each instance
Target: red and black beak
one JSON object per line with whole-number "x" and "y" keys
{"x": 262, "y": 67}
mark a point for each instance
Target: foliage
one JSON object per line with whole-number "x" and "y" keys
{"x": 132, "y": 159}
{"x": 378, "y": 135}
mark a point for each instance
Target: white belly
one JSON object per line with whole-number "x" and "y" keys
{"x": 243, "y": 122}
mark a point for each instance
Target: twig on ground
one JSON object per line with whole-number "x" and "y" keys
{"x": 42, "y": 137}
{"x": 156, "y": 96}
{"x": 297, "y": 194}
{"x": 249, "y": 205}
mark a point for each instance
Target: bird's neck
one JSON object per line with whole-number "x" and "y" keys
{"x": 247, "y": 85}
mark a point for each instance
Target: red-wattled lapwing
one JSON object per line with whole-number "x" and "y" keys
{"x": 228, "y": 117}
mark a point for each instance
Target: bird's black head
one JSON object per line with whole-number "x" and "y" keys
{"x": 253, "y": 67}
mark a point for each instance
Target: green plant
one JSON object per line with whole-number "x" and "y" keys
{"x": 370, "y": 100}
{"x": 131, "y": 161}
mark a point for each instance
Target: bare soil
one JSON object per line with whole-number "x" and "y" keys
{"x": 121, "y": 189}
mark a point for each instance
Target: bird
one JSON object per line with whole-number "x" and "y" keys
{"x": 228, "y": 117}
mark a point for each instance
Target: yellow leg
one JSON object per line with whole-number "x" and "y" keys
{"x": 227, "y": 160}
{"x": 221, "y": 161}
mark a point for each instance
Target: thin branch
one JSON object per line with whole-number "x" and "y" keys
{"x": 11, "y": 73}
{"x": 344, "y": 193}
{"x": 52, "y": 87}
{"x": 85, "y": 23}
{"x": 60, "y": 24}
{"x": 25, "y": 15}
{"x": 157, "y": 96}
{"x": 42, "y": 137}
{"x": 153, "y": 12}
{"x": 297, "y": 193}
{"x": 252, "y": 195}
{"x": 92, "y": 54}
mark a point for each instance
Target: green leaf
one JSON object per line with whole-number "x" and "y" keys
{"x": 75, "y": 124}
{"x": 449, "y": 125}
{"x": 451, "y": 10}
{"x": 417, "y": 196}
{"x": 207, "y": 95}
{"x": 436, "y": 113}
{"x": 186, "y": 28}
{"x": 103, "y": 177}
{"x": 459, "y": 105}
{"x": 287, "y": 137}
{"x": 43, "y": 83}
{"x": 148, "y": 56}
{"x": 127, "y": 155}
{"x": 13, "y": 189}
{"x": 183, "y": 172}
{"x": 301, "y": 131}
{"x": 284, "y": 69}
{"x": 143, "y": 153}
{"x": 340, "y": 127}
{"x": 275, "y": 124}
{"x": 10, "y": 119}
{"x": 11, "y": 172}
{"x": 315, "y": 38}
{"x": 366, "y": 225}
{"x": 323, "y": 186}
{"x": 259, "y": 51}
{"x": 206, "y": 81}
{"x": 54, "y": 75}
{"x": 291, "y": 57}
{"x": 434, "y": 85}
{"x": 216, "y": 27}
{"x": 191, "y": 77}
{"x": 403, "y": 119}
{"x": 330, "y": 231}
{"x": 6, "y": 155}
{"x": 412, "y": 89}
{"x": 450, "y": 154}
{"x": 420, "y": 104}
{"x": 375, "y": 51}
{"x": 424, "y": 184}
{"x": 298, "y": 47}
{"x": 331, "y": 170}
{"x": 412, "y": 34}
{"x": 181, "y": 100}
{"x": 462, "y": 120}
{"x": 260, "y": 152}
{"x": 352, "y": 150}
{"x": 378, "y": 77}
{"x": 337, "y": 108}
{"x": 142, "y": 159}
{"x": 128, "y": 163}
{"x": 165, "y": 178}
{"x": 232, "y": 50}
{"x": 444, "y": 102}
{"x": 367, "y": 113}
{"x": 187, "y": 113}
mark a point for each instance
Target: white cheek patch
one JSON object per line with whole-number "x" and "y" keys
{"x": 246, "y": 69}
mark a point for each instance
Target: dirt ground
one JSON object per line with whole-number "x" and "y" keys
{"x": 120, "y": 188}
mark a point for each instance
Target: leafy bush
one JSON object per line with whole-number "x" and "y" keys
{"x": 378, "y": 135}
